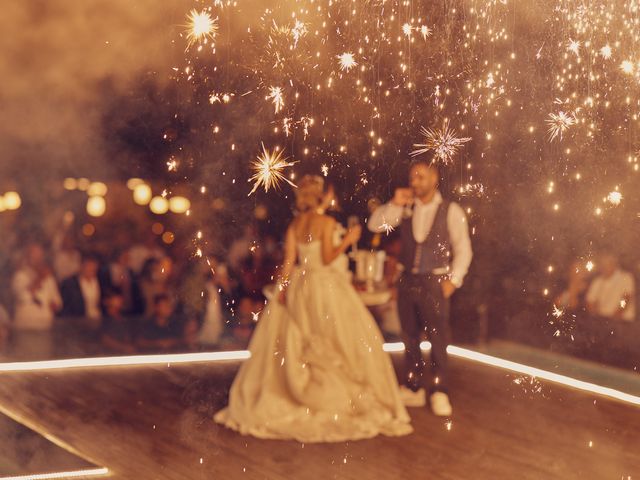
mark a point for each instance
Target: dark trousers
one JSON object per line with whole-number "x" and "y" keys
{"x": 424, "y": 310}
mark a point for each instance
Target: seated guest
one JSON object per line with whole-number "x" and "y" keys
{"x": 258, "y": 270}
{"x": 159, "y": 331}
{"x": 35, "y": 291}
{"x": 219, "y": 292}
{"x": 81, "y": 293}
{"x": 612, "y": 292}
{"x": 116, "y": 330}
{"x": 118, "y": 275}
{"x": 154, "y": 280}
{"x": 4, "y": 326}
{"x": 245, "y": 321}
{"x": 572, "y": 299}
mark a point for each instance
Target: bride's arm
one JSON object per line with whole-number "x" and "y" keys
{"x": 329, "y": 252}
{"x": 290, "y": 256}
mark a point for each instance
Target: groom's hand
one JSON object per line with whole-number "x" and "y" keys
{"x": 402, "y": 196}
{"x": 448, "y": 288}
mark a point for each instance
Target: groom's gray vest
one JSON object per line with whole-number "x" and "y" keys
{"x": 434, "y": 254}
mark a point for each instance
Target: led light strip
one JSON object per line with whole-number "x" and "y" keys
{"x": 122, "y": 361}
{"x": 91, "y": 472}
{"x": 539, "y": 373}
{"x": 244, "y": 354}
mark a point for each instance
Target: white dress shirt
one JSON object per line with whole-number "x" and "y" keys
{"x": 33, "y": 308}
{"x": 424, "y": 214}
{"x": 91, "y": 295}
{"x": 608, "y": 295}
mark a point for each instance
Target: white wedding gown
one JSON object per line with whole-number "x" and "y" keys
{"x": 317, "y": 371}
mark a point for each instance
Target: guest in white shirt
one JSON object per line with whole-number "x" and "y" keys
{"x": 81, "y": 293}
{"x": 66, "y": 257}
{"x": 612, "y": 292}
{"x": 435, "y": 254}
{"x": 35, "y": 291}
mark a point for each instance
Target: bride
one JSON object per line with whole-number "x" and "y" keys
{"x": 317, "y": 371}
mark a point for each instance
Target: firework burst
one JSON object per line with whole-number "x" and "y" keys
{"x": 559, "y": 123}
{"x": 347, "y": 61}
{"x": 277, "y": 97}
{"x": 267, "y": 170}
{"x": 200, "y": 27}
{"x": 443, "y": 142}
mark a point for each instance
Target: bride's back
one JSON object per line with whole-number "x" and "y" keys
{"x": 309, "y": 226}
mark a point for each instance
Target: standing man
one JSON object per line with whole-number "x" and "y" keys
{"x": 435, "y": 255}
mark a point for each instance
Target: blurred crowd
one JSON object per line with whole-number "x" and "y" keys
{"x": 134, "y": 297}
{"x": 602, "y": 289}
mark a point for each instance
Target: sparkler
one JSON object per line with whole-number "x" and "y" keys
{"x": 559, "y": 123}
{"x": 443, "y": 142}
{"x": 268, "y": 169}
{"x": 200, "y": 27}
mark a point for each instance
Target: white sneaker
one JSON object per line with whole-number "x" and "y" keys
{"x": 440, "y": 404}
{"x": 411, "y": 398}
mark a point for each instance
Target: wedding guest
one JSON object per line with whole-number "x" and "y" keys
{"x": 142, "y": 252}
{"x": 154, "y": 280}
{"x": 218, "y": 292}
{"x": 35, "y": 291}
{"x": 66, "y": 258}
{"x": 81, "y": 296}
{"x": 612, "y": 292}
{"x": 118, "y": 275}
{"x": 5, "y": 323}
{"x": 117, "y": 335}
{"x": 572, "y": 299}
{"x": 159, "y": 331}
{"x": 240, "y": 248}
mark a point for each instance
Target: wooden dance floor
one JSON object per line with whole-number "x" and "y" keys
{"x": 155, "y": 422}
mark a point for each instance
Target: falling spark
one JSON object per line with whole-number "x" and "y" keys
{"x": 298, "y": 31}
{"x": 574, "y": 46}
{"x": 605, "y": 52}
{"x": 627, "y": 66}
{"x": 347, "y": 61}
{"x": 325, "y": 169}
{"x": 559, "y": 123}
{"x": 406, "y": 29}
{"x": 276, "y": 96}
{"x": 388, "y": 228}
{"x": 443, "y": 142}
{"x": 200, "y": 27}
{"x": 614, "y": 198}
{"x": 589, "y": 266}
{"x": 220, "y": 97}
{"x": 557, "y": 312}
{"x": 286, "y": 126}
{"x": 425, "y": 31}
{"x": 172, "y": 166}
{"x": 267, "y": 170}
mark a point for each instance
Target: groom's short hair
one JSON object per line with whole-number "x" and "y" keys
{"x": 426, "y": 162}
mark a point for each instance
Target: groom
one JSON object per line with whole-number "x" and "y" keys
{"x": 436, "y": 253}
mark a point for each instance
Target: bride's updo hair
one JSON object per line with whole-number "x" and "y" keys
{"x": 309, "y": 193}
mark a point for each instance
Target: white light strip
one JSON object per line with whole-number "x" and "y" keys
{"x": 244, "y": 354}
{"x": 538, "y": 373}
{"x": 71, "y": 474}
{"x": 128, "y": 360}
